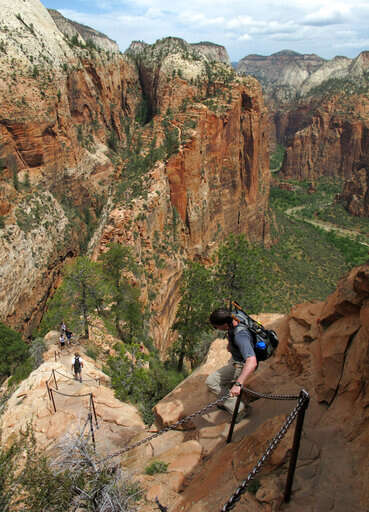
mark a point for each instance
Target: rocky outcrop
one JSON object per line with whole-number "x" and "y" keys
{"x": 86, "y": 35}
{"x": 214, "y": 52}
{"x": 30, "y": 404}
{"x": 355, "y": 194}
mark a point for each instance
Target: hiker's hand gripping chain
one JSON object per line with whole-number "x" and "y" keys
{"x": 236, "y": 389}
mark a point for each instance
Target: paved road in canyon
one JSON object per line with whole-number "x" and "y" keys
{"x": 292, "y": 212}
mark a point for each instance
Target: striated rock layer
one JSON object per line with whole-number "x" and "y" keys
{"x": 59, "y": 104}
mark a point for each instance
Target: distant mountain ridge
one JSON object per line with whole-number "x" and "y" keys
{"x": 288, "y": 75}
{"x": 212, "y": 51}
{"x": 72, "y": 28}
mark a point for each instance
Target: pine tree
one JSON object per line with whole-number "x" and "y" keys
{"x": 239, "y": 273}
{"x": 118, "y": 265}
{"x": 197, "y": 297}
{"x": 81, "y": 294}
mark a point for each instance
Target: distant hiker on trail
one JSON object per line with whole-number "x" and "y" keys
{"x": 62, "y": 341}
{"x": 232, "y": 377}
{"x": 77, "y": 366}
{"x": 69, "y": 336}
{"x": 63, "y": 327}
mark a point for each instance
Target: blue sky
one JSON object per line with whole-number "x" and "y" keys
{"x": 325, "y": 27}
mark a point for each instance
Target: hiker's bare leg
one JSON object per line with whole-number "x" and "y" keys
{"x": 220, "y": 382}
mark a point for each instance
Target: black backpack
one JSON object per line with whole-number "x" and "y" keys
{"x": 77, "y": 365}
{"x": 265, "y": 341}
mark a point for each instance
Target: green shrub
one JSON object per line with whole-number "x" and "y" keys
{"x": 73, "y": 480}
{"x": 13, "y": 351}
{"x": 92, "y": 352}
{"x": 141, "y": 379}
{"x": 253, "y": 486}
{"x": 157, "y": 466}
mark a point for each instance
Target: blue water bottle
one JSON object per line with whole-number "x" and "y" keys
{"x": 261, "y": 345}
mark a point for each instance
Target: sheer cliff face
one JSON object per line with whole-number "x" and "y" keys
{"x": 355, "y": 194}
{"x": 58, "y": 105}
{"x": 215, "y": 184}
{"x": 72, "y": 120}
{"x": 331, "y": 141}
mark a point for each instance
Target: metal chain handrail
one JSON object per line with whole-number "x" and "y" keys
{"x": 272, "y": 446}
{"x": 166, "y": 429}
{"x": 269, "y": 396}
{"x": 72, "y": 378}
{"x": 65, "y": 394}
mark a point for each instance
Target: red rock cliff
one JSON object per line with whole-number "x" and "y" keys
{"x": 59, "y": 106}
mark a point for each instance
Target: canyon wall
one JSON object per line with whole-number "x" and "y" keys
{"x": 319, "y": 111}
{"x": 332, "y": 142}
{"x": 73, "y": 126}
{"x": 215, "y": 184}
{"x": 59, "y": 104}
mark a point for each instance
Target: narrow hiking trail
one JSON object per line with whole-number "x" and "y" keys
{"x": 115, "y": 424}
{"x": 327, "y": 226}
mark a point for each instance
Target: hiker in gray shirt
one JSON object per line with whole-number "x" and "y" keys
{"x": 232, "y": 377}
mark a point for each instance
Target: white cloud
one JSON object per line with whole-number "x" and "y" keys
{"x": 245, "y": 37}
{"x": 265, "y": 27}
{"x": 328, "y": 16}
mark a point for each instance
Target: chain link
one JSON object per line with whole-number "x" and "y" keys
{"x": 231, "y": 503}
{"x": 270, "y": 397}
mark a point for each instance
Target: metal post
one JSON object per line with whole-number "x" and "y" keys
{"x": 52, "y": 398}
{"x": 304, "y": 397}
{"x": 56, "y": 384}
{"x": 48, "y": 390}
{"x": 92, "y": 430}
{"x": 234, "y": 417}
{"x": 93, "y": 408}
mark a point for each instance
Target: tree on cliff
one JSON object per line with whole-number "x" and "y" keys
{"x": 118, "y": 266}
{"x": 81, "y": 293}
{"x": 240, "y": 274}
{"x": 13, "y": 351}
{"x": 197, "y": 297}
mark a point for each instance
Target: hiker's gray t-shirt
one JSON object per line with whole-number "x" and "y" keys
{"x": 240, "y": 344}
